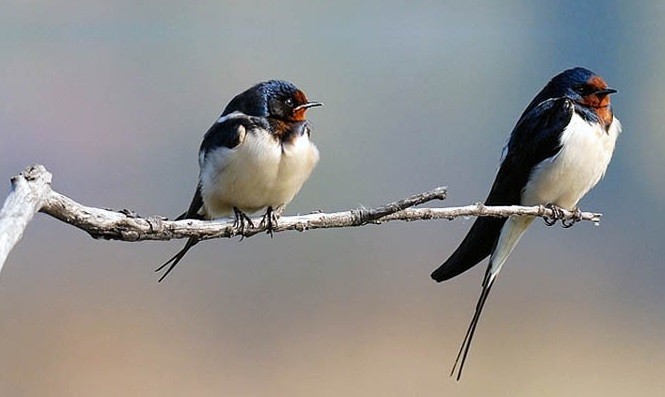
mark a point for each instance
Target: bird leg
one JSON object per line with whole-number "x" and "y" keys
{"x": 270, "y": 219}
{"x": 577, "y": 216}
{"x": 558, "y": 214}
{"x": 241, "y": 221}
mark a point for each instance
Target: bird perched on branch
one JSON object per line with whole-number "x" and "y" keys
{"x": 256, "y": 156}
{"x": 559, "y": 150}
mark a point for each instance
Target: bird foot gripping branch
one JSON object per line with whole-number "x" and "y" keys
{"x": 559, "y": 214}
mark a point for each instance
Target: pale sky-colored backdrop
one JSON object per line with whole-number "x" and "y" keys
{"x": 114, "y": 97}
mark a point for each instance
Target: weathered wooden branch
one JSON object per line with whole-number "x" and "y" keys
{"x": 31, "y": 192}
{"x": 30, "y": 189}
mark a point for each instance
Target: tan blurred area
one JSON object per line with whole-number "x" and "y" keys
{"x": 113, "y": 98}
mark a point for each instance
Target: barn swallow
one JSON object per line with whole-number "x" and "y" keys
{"x": 559, "y": 150}
{"x": 256, "y": 156}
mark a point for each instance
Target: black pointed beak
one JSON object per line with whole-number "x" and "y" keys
{"x": 308, "y": 105}
{"x": 606, "y": 91}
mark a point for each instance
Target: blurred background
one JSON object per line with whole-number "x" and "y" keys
{"x": 114, "y": 97}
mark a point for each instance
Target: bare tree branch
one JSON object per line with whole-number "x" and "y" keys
{"x": 32, "y": 192}
{"x": 29, "y": 191}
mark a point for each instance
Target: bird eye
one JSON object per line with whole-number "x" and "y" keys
{"x": 583, "y": 89}
{"x": 289, "y": 102}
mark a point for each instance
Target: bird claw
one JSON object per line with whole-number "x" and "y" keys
{"x": 557, "y": 215}
{"x": 270, "y": 221}
{"x": 241, "y": 222}
{"x": 577, "y": 216}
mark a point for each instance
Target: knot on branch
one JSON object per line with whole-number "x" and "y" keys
{"x": 35, "y": 172}
{"x": 360, "y": 216}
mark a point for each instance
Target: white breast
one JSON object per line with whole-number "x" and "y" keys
{"x": 258, "y": 173}
{"x": 566, "y": 177}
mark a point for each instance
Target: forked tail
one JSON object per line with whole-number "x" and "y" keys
{"x": 176, "y": 258}
{"x": 466, "y": 344}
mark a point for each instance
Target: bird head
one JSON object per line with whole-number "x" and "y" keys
{"x": 274, "y": 98}
{"x": 580, "y": 85}
{"x": 586, "y": 88}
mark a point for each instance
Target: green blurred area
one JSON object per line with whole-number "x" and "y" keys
{"x": 114, "y": 97}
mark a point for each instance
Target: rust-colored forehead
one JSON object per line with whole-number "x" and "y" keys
{"x": 300, "y": 97}
{"x": 597, "y": 81}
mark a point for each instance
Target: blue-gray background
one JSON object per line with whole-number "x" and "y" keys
{"x": 114, "y": 98}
